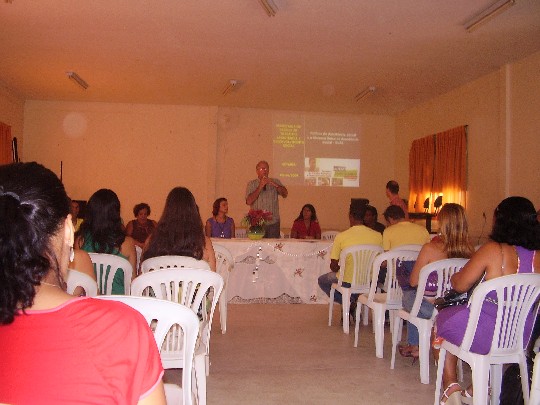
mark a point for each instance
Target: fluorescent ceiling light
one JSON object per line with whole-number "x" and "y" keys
{"x": 77, "y": 79}
{"x": 364, "y": 93}
{"x": 269, "y": 6}
{"x": 230, "y": 86}
{"x": 491, "y": 12}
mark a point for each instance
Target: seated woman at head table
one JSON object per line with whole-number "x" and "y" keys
{"x": 220, "y": 225}
{"x": 102, "y": 232}
{"x": 141, "y": 227}
{"x": 57, "y": 348}
{"x": 306, "y": 226}
{"x": 180, "y": 231}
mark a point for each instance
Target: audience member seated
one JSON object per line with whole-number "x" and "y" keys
{"x": 220, "y": 225}
{"x": 306, "y": 226}
{"x": 102, "y": 232}
{"x": 453, "y": 242}
{"x": 400, "y": 231}
{"x": 81, "y": 262}
{"x": 57, "y": 348}
{"x": 392, "y": 192}
{"x": 180, "y": 231}
{"x": 371, "y": 219}
{"x": 513, "y": 248}
{"x": 357, "y": 234}
{"x": 141, "y": 227}
{"x": 74, "y": 210}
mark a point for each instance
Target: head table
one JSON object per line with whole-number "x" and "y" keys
{"x": 276, "y": 270}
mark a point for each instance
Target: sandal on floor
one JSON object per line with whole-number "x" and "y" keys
{"x": 466, "y": 397}
{"x": 454, "y": 398}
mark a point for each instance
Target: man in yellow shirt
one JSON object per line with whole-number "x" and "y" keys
{"x": 400, "y": 231}
{"x": 357, "y": 234}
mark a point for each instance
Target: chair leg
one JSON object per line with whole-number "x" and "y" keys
{"x": 331, "y": 306}
{"x": 524, "y": 381}
{"x": 365, "y": 316}
{"x": 396, "y": 337}
{"x": 345, "y": 304}
{"x": 480, "y": 378}
{"x": 438, "y": 381}
{"x": 378, "y": 321}
{"x": 357, "y": 323}
{"x": 423, "y": 347}
{"x": 223, "y": 311}
{"x": 199, "y": 364}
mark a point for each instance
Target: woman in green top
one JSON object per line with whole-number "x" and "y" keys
{"x": 102, "y": 232}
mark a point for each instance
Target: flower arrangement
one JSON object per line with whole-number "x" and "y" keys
{"x": 257, "y": 218}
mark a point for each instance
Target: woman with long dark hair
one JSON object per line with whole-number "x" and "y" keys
{"x": 57, "y": 348}
{"x": 180, "y": 231}
{"x": 513, "y": 248}
{"x": 102, "y": 232}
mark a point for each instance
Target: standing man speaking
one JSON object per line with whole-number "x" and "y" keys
{"x": 262, "y": 194}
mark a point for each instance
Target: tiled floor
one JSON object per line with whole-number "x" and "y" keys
{"x": 287, "y": 354}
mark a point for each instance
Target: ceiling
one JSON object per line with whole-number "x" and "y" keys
{"x": 314, "y": 55}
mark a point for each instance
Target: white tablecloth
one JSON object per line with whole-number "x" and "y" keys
{"x": 277, "y": 270}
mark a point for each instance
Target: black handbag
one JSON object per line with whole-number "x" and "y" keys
{"x": 451, "y": 298}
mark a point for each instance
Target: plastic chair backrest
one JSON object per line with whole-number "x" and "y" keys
{"x": 362, "y": 264}
{"x": 392, "y": 288}
{"x": 166, "y": 262}
{"x": 186, "y": 286}
{"x": 516, "y": 296}
{"x": 77, "y": 279}
{"x": 224, "y": 261}
{"x": 413, "y": 247}
{"x": 329, "y": 235}
{"x": 240, "y": 233}
{"x": 445, "y": 269}
{"x": 106, "y": 266}
{"x": 167, "y": 315}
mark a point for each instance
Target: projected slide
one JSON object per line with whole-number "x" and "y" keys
{"x": 315, "y": 150}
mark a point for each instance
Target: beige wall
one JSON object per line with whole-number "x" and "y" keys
{"x": 501, "y": 110}
{"x": 142, "y": 151}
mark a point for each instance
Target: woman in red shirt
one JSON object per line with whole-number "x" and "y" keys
{"x": 57, "y": 348}
{"x": 306, "y": 226}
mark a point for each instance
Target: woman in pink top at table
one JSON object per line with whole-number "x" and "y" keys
{"x": 56, "y": 348}
{"x": 306, "y": 226}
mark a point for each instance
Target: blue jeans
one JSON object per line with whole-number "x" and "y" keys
{"x": 426, "y": 309}
{"x": 325, "y": 283}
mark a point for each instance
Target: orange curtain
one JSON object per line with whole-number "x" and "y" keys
{"x": 450, "y": 170}
{"x": 421, "y": 169}
{"x": 6, "y": 155}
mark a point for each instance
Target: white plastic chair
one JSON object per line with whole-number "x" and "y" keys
{"x": 413, "y": 247}
{"x": 138, "y": 251}
{"x": 189, "y": 287}
{"x": 224, "y": 265}
{"x": 240, "y": 233}
{"x": 166, "y": 262}
{"x": 167, "y": 314}
{"x": 381, "y": 302}
{"x": 445, "y": 269}
{"x": 77, "y": 279}
{"x": 329, "y": 235}
{"x": 106, "y": 266}
{"x": 517, "y": 296}
{"x": 362, "y": 263}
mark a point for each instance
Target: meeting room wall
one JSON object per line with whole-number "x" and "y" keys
{"x": 142, "y": 151}
{"x": 245, "y": 137}
{"x": 139, "y": 151}
{"x": 12, "y": 113}
{"x": 501, "y": 110}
